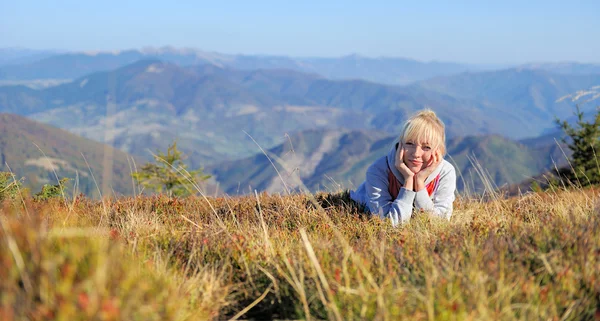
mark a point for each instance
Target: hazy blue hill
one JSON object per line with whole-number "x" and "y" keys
{"x": 182, "y": 87}
{"x": 253, "y": 62}
{"x": 14, "y": 56}
{"x": 143, "y": 80}
{"x": 387, "y": 106}
{"x": 288, "y": 85}
{"x": 512, "y": 87}
{"x": 511, "y": 102}
{"x": 70, "y": 65}
{"x": 529, "y": 97}
{"x": 95, "y": 88}
{"x": 21, "y": 100}
{"x": 552, "y": 138}
{"x": 333, "y": 159}
{"x": 389, "y": 70}
{"x": 550, "y": 146}
{"x": 63, "y": 152}
{"x": 567, "y": 68}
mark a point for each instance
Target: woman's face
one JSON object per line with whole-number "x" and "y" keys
{"x": 417, "y": 155}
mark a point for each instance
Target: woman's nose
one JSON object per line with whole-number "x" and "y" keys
{"x": 418, "y": 151}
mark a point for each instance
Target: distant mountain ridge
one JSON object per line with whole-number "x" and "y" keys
{"x": 565, "y": 68}
{"x": 397, "y": 71}
{"x": 15, "y": 56}
{"x": 23, "y": 64}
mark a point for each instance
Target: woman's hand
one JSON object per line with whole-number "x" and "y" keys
{"x": 422, "y": 175}
{"x": 403, "y": 169}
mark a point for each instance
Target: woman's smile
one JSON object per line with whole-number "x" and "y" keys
{"x": 416, "y": 162}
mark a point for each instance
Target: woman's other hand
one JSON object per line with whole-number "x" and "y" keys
{"x": 422, "y": 175}
{"x": 403, "y": 169}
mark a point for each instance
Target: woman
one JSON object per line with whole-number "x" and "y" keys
{"x": 413, "y": 175}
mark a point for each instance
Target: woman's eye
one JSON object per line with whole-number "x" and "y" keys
{"x": 427, "y": 148}
{"x": 409, "y": 143}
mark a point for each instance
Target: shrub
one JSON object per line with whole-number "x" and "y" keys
{"x": 9, "y": 187}
{"x": 51, "y": 191}
{"x": 584, "y": 141}
{"x": 169, "y": 174}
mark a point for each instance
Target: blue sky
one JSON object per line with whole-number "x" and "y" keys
{"x": 461, "y": 31}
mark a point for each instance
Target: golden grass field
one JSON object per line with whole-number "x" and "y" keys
{"x": 530, "y": 257}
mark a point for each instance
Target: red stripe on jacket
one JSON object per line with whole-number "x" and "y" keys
{"x": 394, "y": 185}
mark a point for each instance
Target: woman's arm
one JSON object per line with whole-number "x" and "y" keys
{"x": 441, "y": 204}
{"x": 380, "y": 201}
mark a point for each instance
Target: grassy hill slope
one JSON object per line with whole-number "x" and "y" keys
{"x": 63, "y": 152}
{"x": 300, "y": 257}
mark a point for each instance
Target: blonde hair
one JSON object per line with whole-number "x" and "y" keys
{"x": 425, "y": 127}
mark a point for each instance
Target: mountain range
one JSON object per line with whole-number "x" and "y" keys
{"x": 385, "y": 70}
{"x": 24, "y": 64}
{"x": 218, "y": 113}
{"x": 568, "y": 68}
{"x": 210, "y": 107}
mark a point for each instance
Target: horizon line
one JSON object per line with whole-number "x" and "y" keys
{"x": 166, "y": 48}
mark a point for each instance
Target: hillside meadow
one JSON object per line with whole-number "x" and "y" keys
{"x": 531, "y": 257}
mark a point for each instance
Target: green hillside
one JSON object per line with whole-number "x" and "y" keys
{"x": 504, "y": 161}
{"x": 60, "y": 151}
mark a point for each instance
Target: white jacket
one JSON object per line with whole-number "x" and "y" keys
{"x": 373, "y": 192}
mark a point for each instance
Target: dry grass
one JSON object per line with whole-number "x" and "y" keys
{"x": 299, "y": 257}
